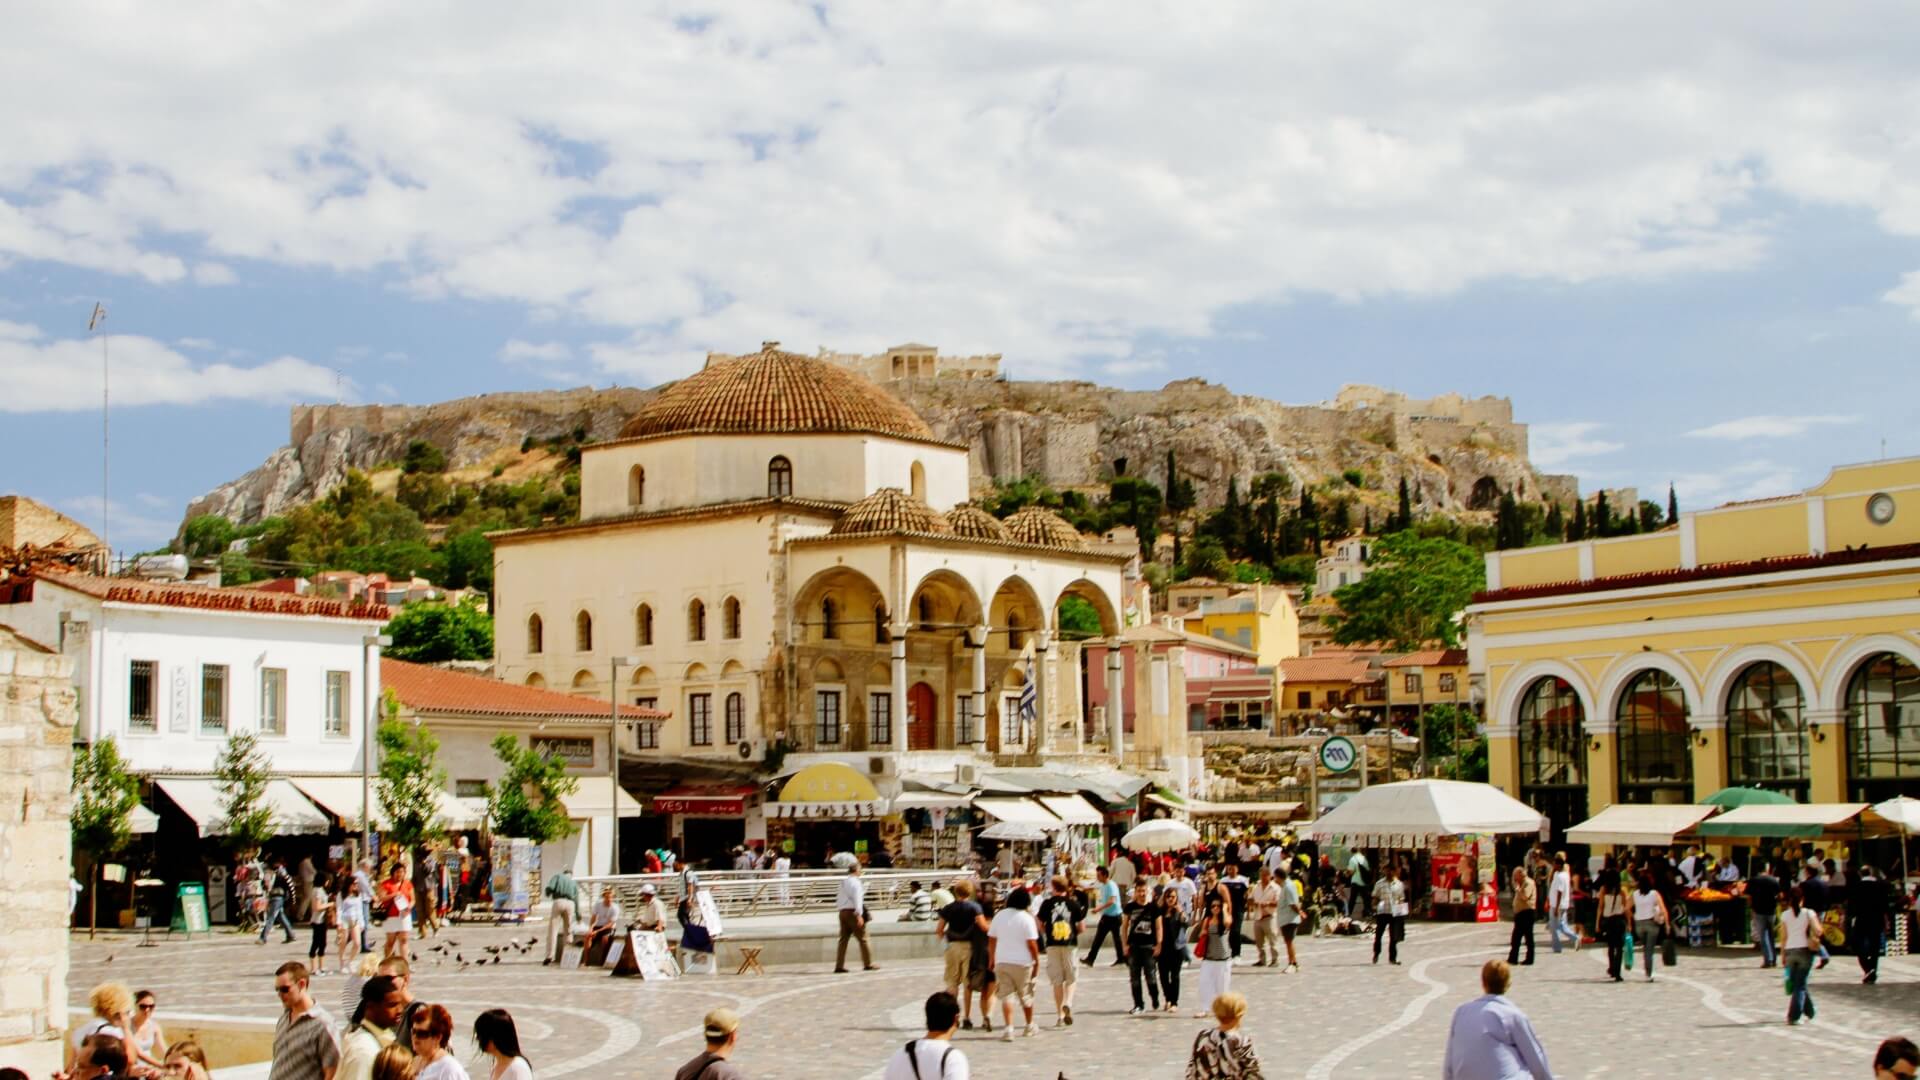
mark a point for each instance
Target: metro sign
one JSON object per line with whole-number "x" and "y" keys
{"x": 1338, "y": 754}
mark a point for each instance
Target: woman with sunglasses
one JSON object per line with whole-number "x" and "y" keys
{"x": 146, "y": 1038}
{"x": 432, "y": 1030}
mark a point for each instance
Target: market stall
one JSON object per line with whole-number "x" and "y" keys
{"x": 1640, "y": 825}
{"x": 1448, "y": 824}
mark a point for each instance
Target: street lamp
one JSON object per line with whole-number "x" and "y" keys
{"x": 613, "y": 748}
{"x": 371, "y": 645}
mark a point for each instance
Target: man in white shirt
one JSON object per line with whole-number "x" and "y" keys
{"x": 602, "y": 928}
{"x": 1276, "y": 858}
{"x": 1188, "y": 890}
{"x": 1689, "y": 869}
{"x": 1013, "y": 940}
{"x": 933, "y": 1057}
{"x": 852, "y": 904}
{"x": 1357, "y": 877}
{"x": 1265, "y": 902}
{"x": 783, "y": 869}
{"x": 1560, "y": 904}
{"x": 742, "y": 859}
{"x": 1122, "y": 872}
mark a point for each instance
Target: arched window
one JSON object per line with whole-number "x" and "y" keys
{"x": 1767, "y": 731}
{"x": 1883, "y": 728}
{"x": 881, "y": 635}
{"x": 829, "y": 618}
{"x": 697, "y": 621}
{"x": 643, "y": 625}
{"x": 636, "y": 486}
{"x": 1553, "y": 751}
{"x": 730, "y": 619}
{"x": 537, "y": 680}
{"x": 736, "y": 718}
{"x": 917, "y": 482}
{"x": 536, "y": 635}
{"x": 779, "y": 477}
{"x": 583, "y": 632}
{"x": 1656, "y": 756}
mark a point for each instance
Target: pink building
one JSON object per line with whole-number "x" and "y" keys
{"x": 1222, "y": 686}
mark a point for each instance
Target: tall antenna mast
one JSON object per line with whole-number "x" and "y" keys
{"x": 93, "y": 324}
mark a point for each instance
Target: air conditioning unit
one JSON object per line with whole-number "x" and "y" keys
{"x": 966, "y": 774}
{"x": 751, "y": 749}
{"x": 880, "y": 766}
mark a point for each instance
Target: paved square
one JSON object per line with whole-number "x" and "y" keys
{"x": 1716, "y": 1013}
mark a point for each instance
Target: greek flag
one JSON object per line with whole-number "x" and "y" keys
{"x": 1029, "y": 699}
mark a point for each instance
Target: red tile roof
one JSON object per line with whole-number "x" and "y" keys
{"x": 1342, "y": 667}
{"x": 1429, "y": 658}
{"x": 775, "y": 391}
{"x": 429, "y": 689}
{"x": 1710, "y": 572}
{"x": 203, "y": 597}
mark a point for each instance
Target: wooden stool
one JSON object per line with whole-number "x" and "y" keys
{"x": 750, "y": 960}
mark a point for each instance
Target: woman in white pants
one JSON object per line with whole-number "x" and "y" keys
{"x": 1216, "y": 955}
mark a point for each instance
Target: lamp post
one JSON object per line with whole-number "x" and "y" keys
{"x": 370, "y": 647}
{"x": 613, "y": 749}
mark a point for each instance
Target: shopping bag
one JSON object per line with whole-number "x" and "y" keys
{"x": 1627, "y": 952}
{"x": 1669, "y": 951}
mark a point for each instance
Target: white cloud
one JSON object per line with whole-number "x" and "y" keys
{"x": 213, "y": 273}
{"x": 128, "y": 528}
{"x": 1702, "y": 489}
{"x": 1767, "y": 427}
{"x": 1906, "y": 294}
{"x": 527, "y": 352}
{"x": 1053, "y": 182}
{"x": 1552, "y": 445}
{"x": 17, "y": 331}
{"x": 63, "y": 375}
{"x": 195, "y": 343}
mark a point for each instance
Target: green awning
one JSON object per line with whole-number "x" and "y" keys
{"x": 1796, "y": 821}
{"x": 1728, "y": 798}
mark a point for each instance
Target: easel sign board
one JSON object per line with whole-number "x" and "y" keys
{"x": 190, "y": 909}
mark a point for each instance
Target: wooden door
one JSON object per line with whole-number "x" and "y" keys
{"x": 921, "y": 715}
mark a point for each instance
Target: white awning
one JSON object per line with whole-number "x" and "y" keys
{"x": 464, "y": 812}
{"x": 1072, "y": 809}
{"x": 591, "y": 799}
{"x": 143, "y": 820}
{"x": 199, "y": 799}
{"x": 930, "y": 800}
{"x": 1019, "y": 812}
{"x": 1638, "y": 824}
{"x": 340, "y": 796}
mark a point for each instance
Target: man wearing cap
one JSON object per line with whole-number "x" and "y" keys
{"x": 648, "y": 936}
{"x": 722, "y": 1031}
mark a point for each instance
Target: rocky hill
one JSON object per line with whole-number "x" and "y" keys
{"x": 1457, "y": 453}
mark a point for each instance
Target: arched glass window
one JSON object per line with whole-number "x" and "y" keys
{"x": 1553, "y": 752}
{"x": 736, "y": 718}
{"x": 730, "y": 619}
{"x": 1767, "y": 731}
{"x": 643, "y": 625}
{"x": 1883, "y": 728}
{"x": 536, "y": 634}
{"x": 917, "y": 481}
{"x": 636, "y": 486}
{"x": 1656, "y": 755}
{"x": 829, "y": 618}
{"x": 779, "y": 477}
{"x": 583, "y": 632}
{"x": 697, "y": 621}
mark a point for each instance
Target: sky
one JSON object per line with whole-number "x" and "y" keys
{"x": 1684, "y": 239}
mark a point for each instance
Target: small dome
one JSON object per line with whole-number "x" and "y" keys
{"x": 890, "y": 510}
{"x": 774, "y": 391}
{"x": 974, "y": 523}
{"x": 1039, "y": 525}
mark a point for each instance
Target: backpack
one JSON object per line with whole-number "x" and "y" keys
{"x": 913, "y": 1060}
{"x": 1060, "y": 923}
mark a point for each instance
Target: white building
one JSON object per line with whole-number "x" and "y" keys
{"x": 1346, "y": 564}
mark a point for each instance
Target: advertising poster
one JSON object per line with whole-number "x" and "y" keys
{"x": 516, "y": 865}
{"x": 1460, "y": 864}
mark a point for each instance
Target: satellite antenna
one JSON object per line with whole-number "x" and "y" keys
{"x": 98, "y": 317}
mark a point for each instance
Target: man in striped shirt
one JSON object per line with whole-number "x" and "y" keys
{"x": 303, "y": 1044}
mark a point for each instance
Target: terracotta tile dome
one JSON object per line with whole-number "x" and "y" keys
{"x": 774, "y": 391}
{"x": 975, "y": 523}
{"x": 890, "y": 510}
{"x": 1039, "y": 525}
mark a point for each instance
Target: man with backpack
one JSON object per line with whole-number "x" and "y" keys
{"x": 1061, "y": 916}
{"x": 933, "y": 1057}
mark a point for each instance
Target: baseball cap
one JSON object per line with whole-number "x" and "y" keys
{"x": 721, "y": 1023}
{"x": 648, "y": 889}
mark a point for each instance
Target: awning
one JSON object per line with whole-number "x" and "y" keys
{"x": 591, "y": 799}
{"x": 340, "y": 796}
{"x": 465, "y": 811}
{"x": 1802, "y": 821}
{"x": 1638, "y": 824}
{"x": 143, "y": 820}
{"x": 199, "y": 799}
{"x": 722, "y": 799}
{"x": 1408, "y": 813}
{"x": 828, "y": 789}
{"x": 1072, "y": 809}
{"x": 930, "y": 800}
{"x": 1282, "y": 811}
{"x": 1019, "y": 812}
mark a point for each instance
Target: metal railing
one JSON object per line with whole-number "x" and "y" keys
{"x": 765, "y": 892}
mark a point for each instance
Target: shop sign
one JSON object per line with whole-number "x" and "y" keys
{"x": 728, "y": 807}
{"x": 573, "y": 751}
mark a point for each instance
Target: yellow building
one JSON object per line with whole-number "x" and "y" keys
{"x": 1258, "y": 617}
{"x": 1773, "y": 643}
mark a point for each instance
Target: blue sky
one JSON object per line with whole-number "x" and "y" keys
{"x": 1688, "y": 247}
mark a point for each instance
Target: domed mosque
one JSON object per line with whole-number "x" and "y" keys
{"x": 781, "y": 554}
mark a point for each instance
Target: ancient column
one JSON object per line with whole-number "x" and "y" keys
{"x": 1116, "y": 702}
{"x": 899, "y": 732}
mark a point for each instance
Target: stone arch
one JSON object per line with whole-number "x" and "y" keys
{"x": 636, "y": 486}
{"x": 1832, "y": 692}
{"x": 1624, "y": 669}
{"x": 536, "y": 635}
{"x": 536, "y": 680}
{"x": 943, "y": 600}
{"x": 733, "y": 669}
{"x": 583, "y": 631}
{"x": 1720, "y": 678}
{"x": 696, "y": 619}
{"x": 643, "y": 676}
{"x": 828, "y": 670}
{"x": 1102, "y": 605}
{"x": 643, "y": 625}
{"x": 1485, "y": 494}
{"x": 837, "y": 604}
{"x": 917, "y": 482}
{"x": 1513, "y": 689}
{"x": 584, "y": 684}
{"x": 730, "y": 618}
{"x": 696, "y": 672}
{"x": 1014, "y": 613}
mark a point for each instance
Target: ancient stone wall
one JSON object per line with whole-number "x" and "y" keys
{"x": 36, "y": 763}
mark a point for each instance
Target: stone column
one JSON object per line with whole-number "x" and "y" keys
{"x": 979, "y": 646}
{"x": 1116, "y": 701}
{"x": 899, "y": 732}
{"x": 1707, "y": 745}
{"x": 1042, "y": 691}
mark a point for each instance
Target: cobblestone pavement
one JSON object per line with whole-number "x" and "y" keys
{"x": 1340, "y": 1017}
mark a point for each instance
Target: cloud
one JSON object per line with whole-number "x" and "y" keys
{"x": 1767, "y": 427}
{"x": 129, "y": 527}
{"x": 1553, "y": 445}
{"x": 1141, "y": 363}
{"x": 526, "y": 352}
{"x": 213, "y": 273}
{"x": 772, "y": 173}
{"x": 1906, "y": 294}
{"x": 195, "y": 343}
{"x": 63, "y": 375}
{"x": 1701, "y": 489}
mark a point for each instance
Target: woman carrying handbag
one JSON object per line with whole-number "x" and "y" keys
{"x": 1650, "y": 919}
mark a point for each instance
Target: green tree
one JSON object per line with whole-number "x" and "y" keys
{"x": 526, "y": 803}
{"x": 1414, "y": 588}
{"x": 1404, "y": 520}
{"x": 206, "y": 536}
{"x": 467, "y": 561}
{"x": 1556, "y": 525}
{"x": 411, "y": 779}
{"x": 424, "y": 493}
{"x": 1206, "y": 558}
{"x": 433, "y": 632}
{"x": 1673, "y": 506}
{"x": 1179, "y": 492}
{"x": 104, "y": 795}
{"x": 1578, "y": 530}
{"x": 1508, "y": 530}
{"x": 242, "y": 774}
{"x": 1601, "y": 524}
{"x": 1079, "y": 619}
{"x": 423, "y": 456}
{"x": 1649, "y": 515}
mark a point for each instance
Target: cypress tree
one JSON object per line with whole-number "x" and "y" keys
{"x": 1602, "y": 523}
{"x": 1578, "y": 530}
{"x": 1405, "y": 520}
{"x": 1673, "y": 507}
{"x": 1556, "y": 525}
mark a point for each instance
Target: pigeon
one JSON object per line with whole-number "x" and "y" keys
{"x": 109, "y": 958}
{"x": 416, "y": 958}
{"x": 463, "y": 965}
{"x": 460, "y": 958}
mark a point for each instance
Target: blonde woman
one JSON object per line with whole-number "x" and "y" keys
{"x": 1225, "y": 1052}
{"x": 186, "y": 1061}
{"x": 112, "y": 1005}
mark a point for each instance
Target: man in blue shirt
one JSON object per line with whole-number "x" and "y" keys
{"x": 1490, "y": 1038}
{"x": 1106, "y": 904}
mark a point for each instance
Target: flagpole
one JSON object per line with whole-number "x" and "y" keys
{"x": 93, "y": 323}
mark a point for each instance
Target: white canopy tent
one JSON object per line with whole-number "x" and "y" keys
{"x": 1411, "y": 812}
{"x": 1639, "y": 824}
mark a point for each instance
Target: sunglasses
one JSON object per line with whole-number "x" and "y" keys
{"x": 283, "y": 988}
{"x": 145, "y": 1006}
